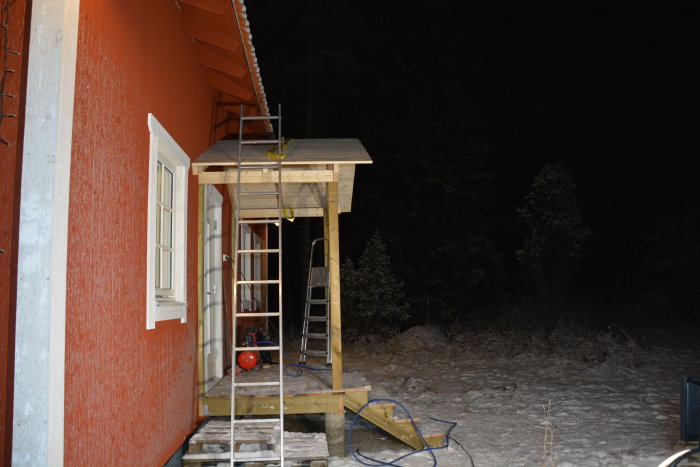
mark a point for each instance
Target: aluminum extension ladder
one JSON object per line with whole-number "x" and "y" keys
{"x": 317, "y": 309}
{"x": 273, "y": 197}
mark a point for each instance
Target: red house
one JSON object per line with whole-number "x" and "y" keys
{"x": 118, "y": 202}
{"x": 99, "y": 318}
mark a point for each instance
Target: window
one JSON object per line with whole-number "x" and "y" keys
{"x": 167, "y": 228}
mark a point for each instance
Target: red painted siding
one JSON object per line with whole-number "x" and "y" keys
{"x": 12, "y": 132}
{"x": 130, "y": 393}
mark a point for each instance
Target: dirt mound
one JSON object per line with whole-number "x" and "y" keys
{"x": 419, "y": 339}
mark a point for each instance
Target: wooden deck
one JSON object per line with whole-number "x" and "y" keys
{"x": 310, "y": 393}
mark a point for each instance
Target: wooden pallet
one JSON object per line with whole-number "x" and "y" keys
{"x": 210, "y": 445}
{"x": 382, "y": 416}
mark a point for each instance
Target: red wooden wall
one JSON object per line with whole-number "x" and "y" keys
{"x": 130, "y": 392}
{"x": 11, "y": 131}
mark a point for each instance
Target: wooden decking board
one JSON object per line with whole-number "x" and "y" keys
{"x": 268, "y": 405}
{"x": 311, "y": 383}
{"x": 311, "y": 393}
{"x": 244, "y": 436}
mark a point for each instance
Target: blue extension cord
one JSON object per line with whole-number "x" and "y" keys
{"x": 379, "y": 463}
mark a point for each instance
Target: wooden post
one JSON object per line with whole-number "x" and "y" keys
{"x": 326, "y": 235}
{"x": 334, "y": 272}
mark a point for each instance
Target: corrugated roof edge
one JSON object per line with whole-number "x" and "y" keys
{"x": 253, "y": 68}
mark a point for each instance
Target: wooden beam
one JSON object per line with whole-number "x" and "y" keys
{"x": 326, "y": 235}
{"x": 213, "y": 6}
{"x": 210, "y": 58}
{"x": 272, "y": 212}
{"x": 202, "y": 30}
{"x": 197, "y": 169}
{"x": 334, "y": 272}
{"x": 224, "y": 83}
{"x": 293, "y": 404}
{"x": 260, "y": 176}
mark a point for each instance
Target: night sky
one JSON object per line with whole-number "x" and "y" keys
{"x": 460, "y": 105}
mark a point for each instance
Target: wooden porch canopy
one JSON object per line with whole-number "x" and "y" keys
{"x": 309, "y": 166}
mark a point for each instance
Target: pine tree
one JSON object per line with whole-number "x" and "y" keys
{"x": 373, "y": 295}
{"x": 556, "y": 236}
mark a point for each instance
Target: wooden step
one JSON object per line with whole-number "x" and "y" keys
{"x": 385, "y": 410}
{"x": 382, "y": 416}
{"x": 406, "y": 420}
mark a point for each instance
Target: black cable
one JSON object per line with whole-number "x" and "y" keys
{"x": 471, "y": 461}
{"x": 448, "y": 438}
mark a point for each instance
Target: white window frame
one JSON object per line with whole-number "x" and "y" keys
{"x": 163, "y": 148}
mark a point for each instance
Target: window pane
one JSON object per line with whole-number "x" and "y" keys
{"x": 167, "y": 187}
{"x": 164, "y": 227}
{"x": 167, "y": 238}
{"x": 157, "y": 268}
{"x": 159, "y": 182}
{"x": 159, "y": 209}
{"x": 167, "y": 275}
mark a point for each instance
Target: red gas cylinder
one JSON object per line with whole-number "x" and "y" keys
{"x": 247, "y": 360}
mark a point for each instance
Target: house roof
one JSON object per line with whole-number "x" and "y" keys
{"x": 223, "y": 44}
{"x": 308, "y": 166}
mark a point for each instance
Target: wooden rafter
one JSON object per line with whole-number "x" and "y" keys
{"x": 212, "y": 57}
{"x": 197, "y": 27}
{"x": 213, "y": 6}
{"x": 226, "y": 83}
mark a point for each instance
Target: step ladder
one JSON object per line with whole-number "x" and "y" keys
{"x": 273, "y": 199}
{"x": 316, "y": 325}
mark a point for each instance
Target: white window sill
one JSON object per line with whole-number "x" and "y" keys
{"x": 169, "y": 309}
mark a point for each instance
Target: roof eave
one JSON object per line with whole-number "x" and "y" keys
{"x": 243, "y": 24}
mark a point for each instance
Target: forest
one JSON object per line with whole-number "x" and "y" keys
{"x": 532, "y": 164}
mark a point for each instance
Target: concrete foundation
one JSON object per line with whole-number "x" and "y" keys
{"x": 335, "y": 434}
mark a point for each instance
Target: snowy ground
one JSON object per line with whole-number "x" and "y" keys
{"x": 613, "y": 400}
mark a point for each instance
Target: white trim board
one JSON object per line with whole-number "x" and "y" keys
{"x": 40, "y": 339}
